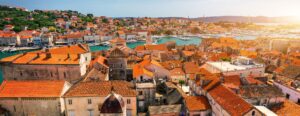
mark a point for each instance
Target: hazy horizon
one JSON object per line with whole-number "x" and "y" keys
{"x": 166, "y": 8}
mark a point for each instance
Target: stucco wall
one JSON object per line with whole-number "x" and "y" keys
{"x": 81, "y": 107}
{"x": 33, "y": 106}
{"x": 294, "y": 94}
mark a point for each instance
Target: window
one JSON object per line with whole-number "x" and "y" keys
{"x": 86, "y": 59}
{"x": 253, "y": 113}
{"x": 70, "y": 102}
{"x": 287, "y": 96}
{"x": 89, "y": 101}
{"x": 21, "y": 74}
{"x": 140, "y": 92}
{"x": 71, "y": 113}
{"x": 51, "y": 74}
{"x": 298, "y": 101}
{"x": 15, "y": 109}
{"x": 128, "y": 101}
{"x": 65, "y": 74}
{"x": 91, "y": 112}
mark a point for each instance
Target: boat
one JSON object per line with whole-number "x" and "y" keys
{"x": 105, "y": 43}
{"x": 131, "y": 41}
{"x": 185, "y": 38}
{"x": 12, "y": 49}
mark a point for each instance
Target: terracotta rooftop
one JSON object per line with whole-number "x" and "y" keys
{"x": 60, "y": 55}
{"x": 115, "y": 40}
{"x": 234, "y": 80}
{"x": 229, "y": 101}
{"x": 190, "y": 67}
{"x": 103, "y": 88}
{"x": 197, "y": 103}
{"x": 177, "y": 71}
{"x": 36, "y": 88}
{"x": 288, "y": 108}
{"x": 159, "y": 47}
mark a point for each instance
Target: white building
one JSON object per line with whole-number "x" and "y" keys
{"x": 290, "y": 93}
{"x": 241, "y": 66}
{"x": 103, "y": 98}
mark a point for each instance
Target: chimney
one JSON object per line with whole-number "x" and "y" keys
{"x": 48, "y": 55}
{"x": 78, "y": 55}
{"x": 68, "y": 56}
{"x": 38, "y": 55}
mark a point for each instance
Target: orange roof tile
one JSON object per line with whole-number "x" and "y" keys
{"x": 159, "y": 47}
{"x": 139, "y": 69}
{"x": 25, "y": 58}
{"x": 37, "y": 88}
{"x": 177, "y": 71}
{"x": 190, "y": 67}
{"x": 188, "y": 53}
{"x": 61, "y": 55}
{"x": 101, "y": 88}
{"x": 197, "y": 103}
{"x": 229, "y": 101}
{"x": 234, "y": 80}
{"x": 288, "y": 108}
{"x": 115, "y": 40}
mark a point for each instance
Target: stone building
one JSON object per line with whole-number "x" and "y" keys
{"x": 117, "y": 62}
{"x": 103, "y": 98}
{"x": 34, "y": 98}
{"x": 64, "y": 63}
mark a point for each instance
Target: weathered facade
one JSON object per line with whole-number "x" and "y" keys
{"x": 33, "y": 98}
{"x": 104, "y": 98}
{"x": 64, "y": 63}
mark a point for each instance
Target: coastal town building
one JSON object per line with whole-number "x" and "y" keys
{"x": 241, "y": 66}
{"x": 117, "y": 62}
{"x": 34, "y": 98}
{"x": 101, "y": 98}
{"x": 68, "y": 63}
{"x": 225, "y": 102}
{"x": 197, "y": 105}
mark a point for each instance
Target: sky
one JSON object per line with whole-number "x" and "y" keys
{"x": 167, "y": 8}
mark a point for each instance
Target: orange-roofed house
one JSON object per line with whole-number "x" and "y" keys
{"x": 9, "y": 38}
{"x": 121, "y": 34}
{"x": 177, "y": 74}
{"x": 102, "y": 98}
{"x": 197, "y": 105}
{"x": 224, "y": 102}
{"x": 63, "y": 63}
{"x": 34, "y": 98}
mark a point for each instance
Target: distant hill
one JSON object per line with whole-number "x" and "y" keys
{"x": 258, "y": 19}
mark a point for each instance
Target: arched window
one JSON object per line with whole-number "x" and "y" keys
{"x": 253, "y": 113}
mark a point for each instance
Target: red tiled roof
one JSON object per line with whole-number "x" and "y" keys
{"x": 177, "y": 71}
{"x": 234, "y": 80}
{"x": 197, "y": 103}
{"x": 101, "y": 88}
{"x": 61, "y": 55}
{"x": 36, "y": 88}
{"x": 288, "y": 108}
{"x": 229, "y": 101}
{"x": 190, "y": 67}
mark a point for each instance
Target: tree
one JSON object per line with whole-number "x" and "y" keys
{"x": 90, "y": 15}
{"x": 17, "y": 29}
{"x": 105, "y": 20}
{"x": 181, "y": 82}
{"x": 168, "y": 32}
